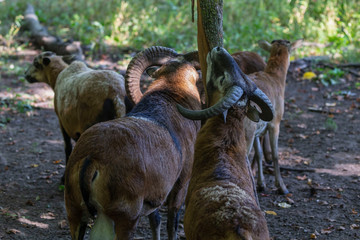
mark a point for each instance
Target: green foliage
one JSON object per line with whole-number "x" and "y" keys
{"x": 330, "y": 77}
{"x": 139, "y": 24}
{"x": 330, "y": 124}
{"x": 17, "y": 104}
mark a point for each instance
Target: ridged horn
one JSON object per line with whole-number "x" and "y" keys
{"x": 231, "y": 97}
{"x": 267, "y": 110}
{"x": 153, "y": 56}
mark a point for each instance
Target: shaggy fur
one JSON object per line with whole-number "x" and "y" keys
{"x": 220, "y": 203}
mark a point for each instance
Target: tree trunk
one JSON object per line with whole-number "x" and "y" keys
{"x": 40, "y": 37}
{"x": 210, "y": 31}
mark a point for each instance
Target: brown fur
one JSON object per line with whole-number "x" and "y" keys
{"x": 272, "y": 82}
{"x": 220, "y": 203}
{"x": 138, "y": 162}
{"x": 249, "y": 62}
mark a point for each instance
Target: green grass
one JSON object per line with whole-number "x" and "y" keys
{"x": 139, "y": 24}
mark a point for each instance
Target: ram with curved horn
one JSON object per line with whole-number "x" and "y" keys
{"x": 221, "y": 202}
{"x": 126, "y": 168}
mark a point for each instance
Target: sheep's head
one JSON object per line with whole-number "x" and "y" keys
{"x": 228, "y": 86}
{"x": 279, "y": 47}
{"x": 39, "y": 70}
{"x": 162, "y": 64}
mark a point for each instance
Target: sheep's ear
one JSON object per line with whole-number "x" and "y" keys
{"x": 253, "y": 114}
{"x": 46, "y": 61}
{"x": 151, "y": 70}
{"x": 265, "y": 45}
{"x": 296, "y": 44}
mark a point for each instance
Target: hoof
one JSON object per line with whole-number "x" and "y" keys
{"x": 282, "y": 191}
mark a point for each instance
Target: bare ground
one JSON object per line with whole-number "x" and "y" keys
{"x": 324, "y": 204}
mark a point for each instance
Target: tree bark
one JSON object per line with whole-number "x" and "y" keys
{"x": 40, "y": 37}
{"x": 210, "y": 31}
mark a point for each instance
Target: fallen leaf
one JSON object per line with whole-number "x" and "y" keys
{"x": 354, "y": 226}
{"x": 341, "y": 228}
{"x": 302, "y": 136}
{"x": 353, "y": 211}
{"x": 327, "y": 230}
{"x": 313, "y": 236}
{"x": 302, "y": 125}
{"x": 62, "y": 224}
{"x": 34, "y": 165}
{"x": 330, "y": 104}
{"x": 13, "y": 231}
{"x": 314, "y": 89}
{"x": 284, "y": 205}
{"x": 56, "y": 161}
{"x": 271, "y": 213}
{"x": 302, "y": 178}
{"x": 309, "y": 75}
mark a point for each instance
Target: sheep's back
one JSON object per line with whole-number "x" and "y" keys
{"x": 80, "y": 98}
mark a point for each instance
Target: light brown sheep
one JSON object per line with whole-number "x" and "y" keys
{"x": 272, "y": 82}
{"x": 83, "y": 96}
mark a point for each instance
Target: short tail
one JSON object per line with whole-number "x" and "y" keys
{"x": 86, "y": 178}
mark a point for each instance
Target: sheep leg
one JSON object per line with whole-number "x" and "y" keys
{"x": 252, "y": 181}
{"x": 172, "y": 222}
{"x": 267, "y": 148}
{"x": 154, "y": 219}
{"x": 279, "y": 183}
{"x": 68, "y": 149}
{"x": 261, "y": 186}
{"x": 76, "y": 224}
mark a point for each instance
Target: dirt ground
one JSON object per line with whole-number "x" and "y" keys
{"x": 320, "y": 133}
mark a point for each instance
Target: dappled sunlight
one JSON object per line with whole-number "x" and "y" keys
{"x": 342, "y": 169}
{"x": 348, "y": 164}
{"x": 37, "y": 95}
{"x": 289, "y": 157}
{"x": 54, "y": 141}
{"x": 33, "y": 223}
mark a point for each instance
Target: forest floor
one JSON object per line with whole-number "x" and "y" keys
{"x": 320, "y": 131}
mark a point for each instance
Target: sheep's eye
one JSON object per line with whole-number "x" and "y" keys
{"x": 37, "y": 65}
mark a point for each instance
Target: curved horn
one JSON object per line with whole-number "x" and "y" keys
{"x": 267, "y": 110}
{"x": 156, "y": 55}
{"x": 231, "y": 97}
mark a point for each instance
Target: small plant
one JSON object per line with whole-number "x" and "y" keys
{"x": 330, "y": 124}
{"x": 35, "y": 148}
{"x": 330, "y": 77}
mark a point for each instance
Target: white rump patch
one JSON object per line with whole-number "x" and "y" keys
{"x": 232, "y": 203}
